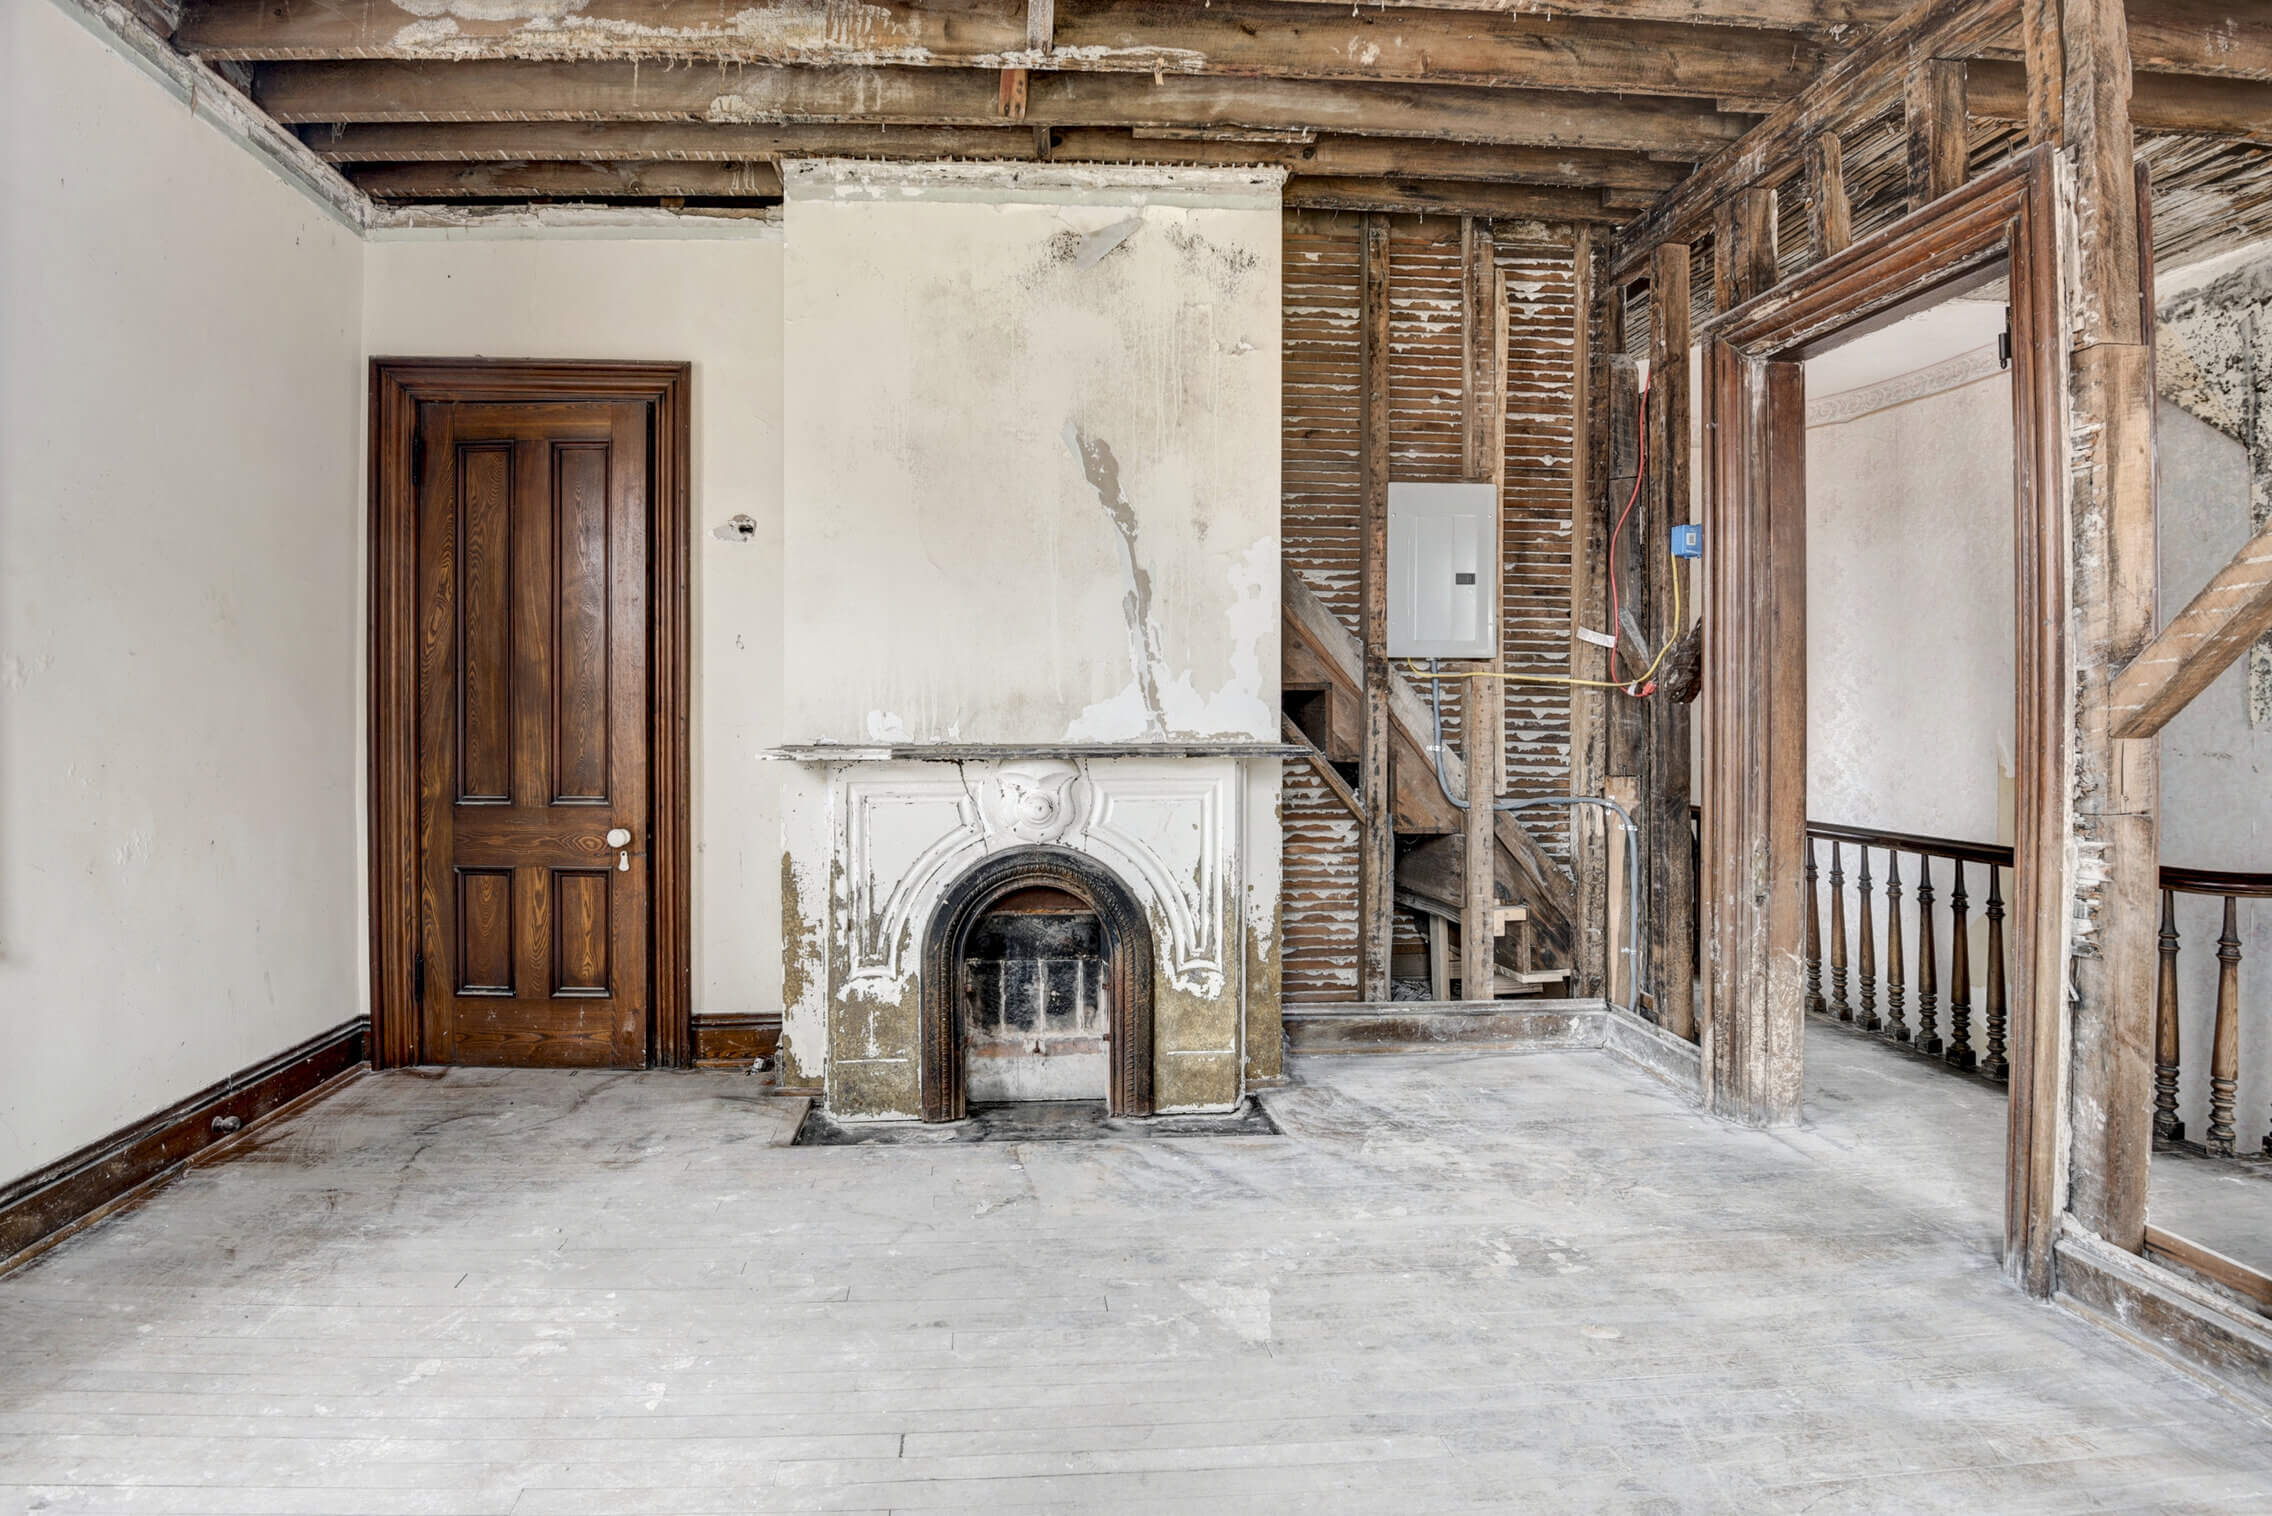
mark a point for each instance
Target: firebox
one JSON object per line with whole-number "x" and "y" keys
{"x": 1037, "y": 985}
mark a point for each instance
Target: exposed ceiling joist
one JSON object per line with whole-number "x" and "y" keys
{"x": 410, "y": 92}
{"x": 1232, "y": 38}
{"x": 1853, "y": 88}
{"x": 1363, "y": 157}
{"x": 2237, "y": 108}
{"x": 1436, "y": 197}
{"x": 570, "y": 181}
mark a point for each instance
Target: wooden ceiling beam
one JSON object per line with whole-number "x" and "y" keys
{"x": 1437, "y": 197}
{"x": 1835, "y": 20}
{"x": 691, "y": 141}
{"x": 374, "y": 91}
{"x": 2176, "y": 103}
{"x": 762, "y": 181}
{"x": 570, "y": 181}
{"x": 652, "y": 141}
{"x": 1853, "y": 87}
{"x": 1233, "y": 38}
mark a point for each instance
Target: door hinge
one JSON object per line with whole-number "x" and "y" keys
{"x": 418, "y": 979}
{"x": 2004, "y": 341}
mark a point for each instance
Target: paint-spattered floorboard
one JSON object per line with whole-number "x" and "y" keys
{"x": 1498, "y": 1282}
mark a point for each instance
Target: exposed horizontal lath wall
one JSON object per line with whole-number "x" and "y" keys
{"x": 1542, "y": 295}
{"x": 1319, "y": 920}
{"x": 1322, "y": 514}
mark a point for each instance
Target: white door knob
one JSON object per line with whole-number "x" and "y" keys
{"x": 618, "y": 837}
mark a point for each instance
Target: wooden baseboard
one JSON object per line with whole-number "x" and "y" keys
{"x": 734, "y": 1042}
{"x": 2216, "y": 1339}
{"x": 75, "y": 1187}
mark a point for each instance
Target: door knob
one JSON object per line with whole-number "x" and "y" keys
{"x": 618, "y": 837}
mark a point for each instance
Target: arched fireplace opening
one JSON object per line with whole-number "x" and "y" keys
{"x": 1037, "y": 984}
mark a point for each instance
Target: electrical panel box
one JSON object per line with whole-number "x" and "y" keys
{"x": 1443, "y": 540}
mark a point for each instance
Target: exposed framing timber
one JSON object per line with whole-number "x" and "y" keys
{"x": 1830, "y": 215}
{"x": 1668, "y": 864}
{"x": 1376, "y": 859}
{"x": 386, "y": 91}
{"x": 1483, "y": 324}
{"x": 2201, "y": 641}
{"x": 1380, "y": 158}
{"x": 1744, "y": 254}
{"x": 2113, "y": 787}
{"x": 1933, "y": 106}
{"x": 1851, "y": 89}
{"x": 1592, "y": 340}
{"x": 1227, "y": 38}
{"x": 2198, "y": 106}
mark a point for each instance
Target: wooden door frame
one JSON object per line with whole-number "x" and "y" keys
{"x": 398, "y": 387}
{"x": 1754, "y": 795}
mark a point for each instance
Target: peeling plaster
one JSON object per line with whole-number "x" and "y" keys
{"x": 2209, "y": 345}
{"x": 1103, "y": 472}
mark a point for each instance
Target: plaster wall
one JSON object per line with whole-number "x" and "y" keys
{"x": 715, "y": 301}
{"x": 1032, "y": 469}
{"x": 1909, "y": 585}
{"x": 180, "y": 608}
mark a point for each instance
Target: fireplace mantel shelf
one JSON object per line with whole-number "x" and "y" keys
{"x": 979, "y": 752}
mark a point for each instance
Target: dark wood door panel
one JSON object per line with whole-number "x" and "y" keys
{"x": 533, "y": 683}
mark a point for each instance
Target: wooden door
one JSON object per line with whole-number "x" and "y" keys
{"x": 533, "y": 922}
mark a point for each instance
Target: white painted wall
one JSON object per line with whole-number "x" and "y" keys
{"x": 180, "y": 606}
{"x": 1909, "y": 577}
{"x": 714, "y": 301}
{"x": 1032, "y": 470}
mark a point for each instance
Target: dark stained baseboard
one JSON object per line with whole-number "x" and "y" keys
{"x": 78, "y": 1185}
{"x": 735, "y": 1041}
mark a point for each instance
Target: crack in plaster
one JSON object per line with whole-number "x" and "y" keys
{"x": 1102, "y": 469}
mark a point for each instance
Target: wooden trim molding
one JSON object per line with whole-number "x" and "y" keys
{"x": 75, "y": 1188}
{"x": 1754, "y": 785}
{"x": 735, "y": 1041}
{"x": 398, "y": 386}
{"x": 2168, "y": 1314}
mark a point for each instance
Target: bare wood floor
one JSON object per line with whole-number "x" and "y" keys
{"x": 1498, "y": 1282}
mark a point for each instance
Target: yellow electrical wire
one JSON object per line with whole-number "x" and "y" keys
{"x": 1414, "y": 671}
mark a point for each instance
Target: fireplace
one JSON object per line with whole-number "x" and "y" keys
{"x": 1037, "y": 985}
{"x": 944, "y": 915}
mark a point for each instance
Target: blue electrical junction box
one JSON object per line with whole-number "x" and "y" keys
{"x": 1687, "y": 541}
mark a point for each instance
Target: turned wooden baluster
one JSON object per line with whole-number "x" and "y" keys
{"x": 2224, "y": 1056}
{"x": 1895, "y": 990}
{"x": 1928, "y": 981}
{"x": 1866, "y": 1013}
{"x": 1838, "y": 1003}
{"x": 2167, "y": 1126}
{"x": 1814, "y": 937}
{"x": 1960, "y": 973}
{"x": 1995, "y": 1065}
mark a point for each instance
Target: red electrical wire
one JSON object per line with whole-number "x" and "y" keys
{"x": 1640, "y": 472}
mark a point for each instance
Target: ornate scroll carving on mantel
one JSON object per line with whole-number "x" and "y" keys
{"x": 907, "y": 833}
